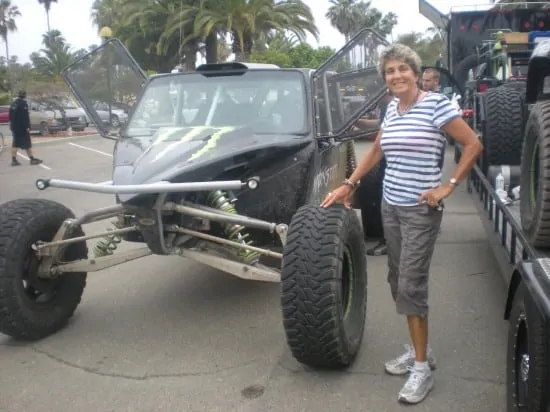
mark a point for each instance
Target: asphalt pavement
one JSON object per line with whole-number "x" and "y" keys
{"x": 166, "y": 334}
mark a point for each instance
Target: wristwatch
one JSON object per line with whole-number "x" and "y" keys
{"x": 453, "y": 181}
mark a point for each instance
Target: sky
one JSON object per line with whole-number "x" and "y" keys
{"x": 72, "y": 19}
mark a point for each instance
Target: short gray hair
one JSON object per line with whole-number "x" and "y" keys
{"x": 403, "y": 53}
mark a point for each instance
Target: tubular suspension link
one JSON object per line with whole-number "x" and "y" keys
{"x": 236, "y": 233}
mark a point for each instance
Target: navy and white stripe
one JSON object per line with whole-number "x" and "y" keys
{"x": 413, "y": 145}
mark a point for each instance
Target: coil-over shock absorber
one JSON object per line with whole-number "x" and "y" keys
{"x": 234, "y": 232}
{"x": 109, "y": 243}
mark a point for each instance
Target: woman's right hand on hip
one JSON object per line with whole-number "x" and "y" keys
{"x": 339, "y": 195}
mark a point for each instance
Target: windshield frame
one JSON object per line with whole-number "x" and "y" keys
{"x": 299, "y": 74}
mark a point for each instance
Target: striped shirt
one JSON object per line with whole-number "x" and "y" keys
{"x": 413, "y": 144}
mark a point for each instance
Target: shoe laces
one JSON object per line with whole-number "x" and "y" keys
{"x": 415, "y": 378}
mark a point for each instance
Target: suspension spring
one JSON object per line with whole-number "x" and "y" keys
{"x": 109, "y": 243}
{"x": 236, "y": 233}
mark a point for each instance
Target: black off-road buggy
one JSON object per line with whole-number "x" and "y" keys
{"x": 226, "y": 166}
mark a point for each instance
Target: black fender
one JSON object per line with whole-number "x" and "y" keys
{"x": 537, "y": 283}
{"x": 537, "y": 70}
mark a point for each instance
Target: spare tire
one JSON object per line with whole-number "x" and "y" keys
{"x": 535, "y": 177}
{"x": 324, "y": 286}
{"x": 503, "y": 128}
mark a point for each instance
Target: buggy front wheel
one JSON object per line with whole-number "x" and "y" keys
{"x": 324, "y": 286}
{"x": 32, "y": 307}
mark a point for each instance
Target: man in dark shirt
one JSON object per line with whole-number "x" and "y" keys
{"x": 20, "y": 126}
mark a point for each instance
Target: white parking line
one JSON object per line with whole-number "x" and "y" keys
{"x": 91, "y": 150}
{"x": 42, "y": 165}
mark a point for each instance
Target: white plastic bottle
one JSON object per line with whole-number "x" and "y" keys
{"x": 499, "y": 182}
{"x": 499, "y": 186}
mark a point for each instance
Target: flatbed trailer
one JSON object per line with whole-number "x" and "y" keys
{"x": 526, "y": 271}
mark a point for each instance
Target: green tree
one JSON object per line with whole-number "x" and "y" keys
{"x": 8, "y": 14}
{"x": 47, "y": 6}
{"x": 430, "y": 47}
{"x": 56, "y": 54}
{"x": 350, "y": 16}
{"x": 302, "y": 55}
{"x": 245, "y": 20}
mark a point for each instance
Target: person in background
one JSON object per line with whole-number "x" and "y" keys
{"x": 411, "y": 139}
{"x": 20, "y": 126}
{"x": 430, "y": 81}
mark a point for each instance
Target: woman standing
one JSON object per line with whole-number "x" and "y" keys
{"x": 411, "y": 141}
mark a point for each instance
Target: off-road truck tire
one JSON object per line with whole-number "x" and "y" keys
{"x": 528, "y": 356}
{"x": 368, "y": 196}
{"x": 503, "y": 128}
{"x": 324, "y": 286}
{"x": 23, "y": 313}
{"x": 535, "y": 177}
{"x": 519, "y": 85}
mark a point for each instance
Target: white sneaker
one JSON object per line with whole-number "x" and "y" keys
{"x": 402, "y": 364}
{"x": 418, "y": 386}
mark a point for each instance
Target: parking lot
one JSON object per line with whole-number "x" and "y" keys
{"x": 165, "y": 334}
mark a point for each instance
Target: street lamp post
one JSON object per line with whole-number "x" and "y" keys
{"x": 106, "y": 33}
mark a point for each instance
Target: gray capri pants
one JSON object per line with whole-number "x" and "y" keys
{"x": 411, "y": 233}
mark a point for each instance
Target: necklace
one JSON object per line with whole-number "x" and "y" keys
{"x": 402, "y": 111}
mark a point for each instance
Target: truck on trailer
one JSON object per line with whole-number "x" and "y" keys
{"x": 512, "y": 194}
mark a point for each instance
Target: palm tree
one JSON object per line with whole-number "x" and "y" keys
{"x": 47, "y": 5}
{"x": 106, "y": 13}
{"x": 54, "y": 57}
{"x": 8, "y": 14}
{"x": 342, "y": 15}
{"x": 244, "y": 20}
{"x": 150, "y": 19}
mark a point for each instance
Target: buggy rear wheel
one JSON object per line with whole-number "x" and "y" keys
{"x": 32, "y": 307}
{"x": 324, "y": 286}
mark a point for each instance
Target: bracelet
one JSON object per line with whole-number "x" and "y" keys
{"x": 349, "y": 183}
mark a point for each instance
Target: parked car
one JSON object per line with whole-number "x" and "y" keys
{"x": 4, "y": 114}
{"x": 118, "y": 116}
{"x": 42, "y": 120}
{"x": 69, "y": 113}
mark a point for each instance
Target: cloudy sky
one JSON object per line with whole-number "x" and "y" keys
{"x": 72, "y": 18}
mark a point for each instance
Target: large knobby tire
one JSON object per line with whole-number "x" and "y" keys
{"x": 535, "y": 177}
{"x": 519, "y": 85}
{"x": 324, "y": 286}
{"x": 369, "y": 197}
{"x": 33, "y": 308}
{"x": 503, "y": 128}
{"x": 528, "y": 356}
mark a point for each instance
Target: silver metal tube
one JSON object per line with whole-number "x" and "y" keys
{"x": 86, "y": 237}
{"x": 146, "y": 188}
{"x": 236, "y": 219}
{"x": 99, "y": 214}
{"x": 220, "y": 212}
{"x": 227, "y": 242}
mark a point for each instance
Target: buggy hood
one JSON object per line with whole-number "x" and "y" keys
{"x": 195, "y": 153}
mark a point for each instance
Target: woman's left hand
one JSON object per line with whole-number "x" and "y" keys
{"x": 434, "y": 196}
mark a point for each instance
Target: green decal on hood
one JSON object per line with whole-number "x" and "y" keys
{"x": 212, "y": 142}
{"x": 165, "y": 133}
{"x": 195, "y": 131}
